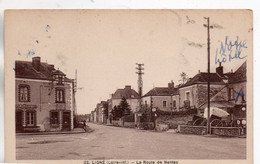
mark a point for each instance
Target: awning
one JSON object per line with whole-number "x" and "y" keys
{"x": 219, "y": 104}
{"x": 215, "y": 111}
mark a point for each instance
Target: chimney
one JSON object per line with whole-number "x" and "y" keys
{"x": 51, "y": 67}
{"x": 128, "y": 87}
{"x": 36, "y": 62}
{"x": 171, "y": 85}
{"x": 219, "y": 70}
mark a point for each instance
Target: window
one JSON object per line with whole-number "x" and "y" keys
{"x": 231, "y": 94}
{"x": 187, "y": 96}
{"x": 54, "y": 118}
{"x": 30, "y": 118}
{"x": 24, "y": 93}
{"x": 174, "y": 103}
{"x": 60, "y": 80}
{"x": 60, "y": 95}
{"x": 164, "y": 104}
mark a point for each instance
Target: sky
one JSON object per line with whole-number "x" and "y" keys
{"x": 105, "y": 45}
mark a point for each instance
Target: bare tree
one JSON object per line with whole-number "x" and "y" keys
{"x": 184, "y": 77}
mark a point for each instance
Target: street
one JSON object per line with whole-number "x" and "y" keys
{"x": 107, "y": 142}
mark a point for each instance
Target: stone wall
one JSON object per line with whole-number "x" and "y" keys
{"x": 201, "y": 130}
{"x": 129, "y": 124}
{"x": 227, "y": 131}
{"x": 186, "y": 129}
{"x": 174, "y": 121}
{"x": 162, "y": 127}
{"x": 146, "y": 125}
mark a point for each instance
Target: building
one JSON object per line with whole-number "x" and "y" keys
{"x": 194, "y": 93}
{"x": 131, "y": 96}
{"x": 232, "y": 98}
{"x": 44, "y": 97}
{"x": 162, "y": 98}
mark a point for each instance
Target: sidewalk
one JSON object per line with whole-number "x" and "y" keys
{"x": 75, "y": 131}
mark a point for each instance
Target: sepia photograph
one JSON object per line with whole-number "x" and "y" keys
{"x": 136, "y": 85}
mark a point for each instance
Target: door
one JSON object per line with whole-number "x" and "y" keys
{"x": 19, "y": 121}
{"x": 66, "y": 121}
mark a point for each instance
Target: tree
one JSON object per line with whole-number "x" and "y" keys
{"x": 124, "y": 107}
{"x": 105, "y": 112}
{"x": 184, "y": 77}
{"x": 120, "y": 110}
{"x": 116, "y": 112}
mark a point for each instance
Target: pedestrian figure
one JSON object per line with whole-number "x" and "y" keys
{"x": 84, "y": 125}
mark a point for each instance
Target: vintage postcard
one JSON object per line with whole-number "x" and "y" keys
{"x": 129, "y": 86}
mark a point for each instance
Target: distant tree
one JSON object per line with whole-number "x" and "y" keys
{"x": 184, "y": 77}
{"x": 116, "y": 112}
{"x": 124, "y": 107}
{"x": 105, "y": 112}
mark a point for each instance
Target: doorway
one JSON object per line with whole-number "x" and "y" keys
{"x": 66, "y": 121}
{"x": 19, "y": 121}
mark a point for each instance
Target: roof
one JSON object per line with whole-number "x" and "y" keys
{"x": 219, "y": 104}
{"x": 24, "y": 69}
{"x": 239, "y": 75}
{"x": 162, "y": 91}
{"x": 203, "y": 78}
{"x": 127, "y": 93}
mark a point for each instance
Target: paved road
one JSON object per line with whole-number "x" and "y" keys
{"x": 108, "y": 142}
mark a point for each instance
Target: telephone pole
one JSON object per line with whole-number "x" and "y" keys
{"x": 74, "y": 88}
{"x": 208, "y": 40}
{"x": 140, "y": 80}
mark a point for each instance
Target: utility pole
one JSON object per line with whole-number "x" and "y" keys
{"x": 74, "y": 88}
{"x": 208, "y": 31}
{"x": 139, "y": 72}
{"x": 140, "y": 80}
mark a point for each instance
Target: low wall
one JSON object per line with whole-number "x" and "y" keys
{"x": 174, "y": 121}
{"x": 162, "y": 127}
{"x": 121, "y": 123}
{"x": 129, "y": 124}
{"x": 146, "y": 125}
{"x": 116, "y": 123}
{"x": 226, "y": 131}
{"x": 201, "y": 130}
{"x": 186, "y": 129}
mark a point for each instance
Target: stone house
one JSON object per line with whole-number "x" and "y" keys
{"x": 162, "y": 98}
{"x": 232, "y": 98}
{"x": 131, "y": 96}
{"x": 44, "y": 97}
{"x": 194, "y": 93}
{"x": 100, "y": 112}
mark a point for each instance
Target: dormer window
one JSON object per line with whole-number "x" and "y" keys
{"x": 60, "y": 80}
{"x": 58, "y": 77}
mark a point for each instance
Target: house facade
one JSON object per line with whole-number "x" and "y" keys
{"x": 162, "y": 98}
{"x": 232, "y": 98}
{"x": 100, "y": 112}
{"x": 194, "y": 93}
{"x": 131, "y": 96}
{"x": 44, "y": 97}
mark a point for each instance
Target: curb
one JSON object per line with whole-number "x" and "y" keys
{"x": 47, "y": 133}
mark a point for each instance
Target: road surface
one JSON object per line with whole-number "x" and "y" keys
{"x": 107, "y": 142}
